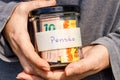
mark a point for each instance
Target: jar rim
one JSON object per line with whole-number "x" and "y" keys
{"x": 55, "y": 9}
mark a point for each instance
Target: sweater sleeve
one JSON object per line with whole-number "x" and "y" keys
{"x": 6, "y": 9}
{"x": 112, "y": 43}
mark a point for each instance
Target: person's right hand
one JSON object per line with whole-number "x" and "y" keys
{"x": 17, "y": 35}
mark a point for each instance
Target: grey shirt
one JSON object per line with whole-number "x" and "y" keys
{"x": 99, "y": 22}
{"x": 6, "y": 10}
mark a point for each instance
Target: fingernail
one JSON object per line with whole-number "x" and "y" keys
{"x": 19, "y": 78}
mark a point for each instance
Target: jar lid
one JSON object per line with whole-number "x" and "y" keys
{"x": 55, "y": 9}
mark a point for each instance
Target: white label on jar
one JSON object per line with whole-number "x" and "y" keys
{"x": 58, "y": 39}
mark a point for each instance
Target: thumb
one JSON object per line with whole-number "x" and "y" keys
{"x": 26, "y": 7}
{"x": 40, "y": 3}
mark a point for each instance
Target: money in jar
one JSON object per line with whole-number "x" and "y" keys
{"x": 57, "y": 36}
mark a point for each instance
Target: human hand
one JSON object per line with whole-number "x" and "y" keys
{"x": 96, "y": 58}
{"x": 17, "y": 35}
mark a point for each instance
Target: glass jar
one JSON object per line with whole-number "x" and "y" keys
{"x": 57, "y": 37}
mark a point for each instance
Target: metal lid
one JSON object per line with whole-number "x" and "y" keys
{"x": 55, "y": 9}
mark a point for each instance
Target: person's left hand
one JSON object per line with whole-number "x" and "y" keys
{"x": 96, "y": 58}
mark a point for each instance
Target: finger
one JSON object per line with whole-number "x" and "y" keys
{"x": 77, "y": 68}
{"x": 24, "y": 76}
{"x": 84, "y": 75}
{"x": 59, "y": 75}
{"x": 81, "y": 76}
